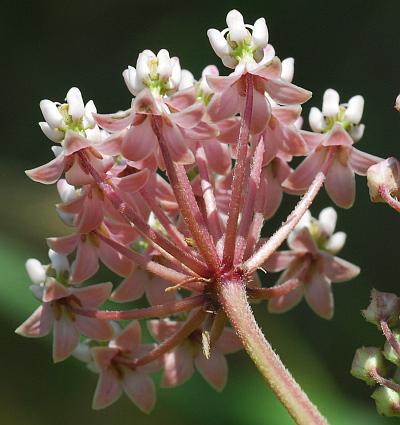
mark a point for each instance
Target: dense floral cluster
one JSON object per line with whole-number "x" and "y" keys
{"x": 171, "y": 195}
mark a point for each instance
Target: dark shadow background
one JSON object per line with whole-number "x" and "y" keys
{"x": 48, "y": 47}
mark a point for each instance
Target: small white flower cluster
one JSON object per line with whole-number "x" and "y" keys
{"x": 348, "y": 114}
{"x": 239, "y": 44}
{"x": 73, "y": 115}
{"x": 161, "y": 74}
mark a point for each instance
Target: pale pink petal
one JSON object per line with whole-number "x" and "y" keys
{"x": 140, "y": 389}
{"x": 214, "y": 370}
{"x": 219, "y": 84}
{"x": 229, "y": 130}
{"x": 261, "y": 112}
{"x": 38, "y": 324}
{"x": 65, "y": 339}
{"x": 189, "y": 117}
{"x": 48, "y": 173}
{"x": 302, "y": 241}
{"x": 108, "y": 389}
{"x": 361, "y": 161}
{"x": 156, "y": 291}
{"x": 287, "y": 114}
{"x": 85, "y": 264}
{"x": 92, "y": 215}
{"x": 318, "y": 294}
{"x": 132, "y": 287}
{"x": 177, "y": 146}
{"x": 294, "y": 143}
{"x": 111, "y": 145}
{"x": 64, "y": 244}
{"x": 74, "y": 142}
{"x": 178, "y": 367}
{"x": 114, "y": 122}
{"x": 94, "y": 295}
{"x": 114, "y": 260}
{"x": 279, "y": 260}
{"x": 182, "y": 99}
{"x": 286, "y": 93}
{"x": 228, "y": 342}
{"x": 132, "y": 182}
{"x": 103, "y": 356}
{"x": 140, "y": 141}
{"x": 94, "y": 328}
{"x": 338, "y": 136}
{"x": 269, "y": 70}
{"x": 74, "y": 206}
{"x": 341, "y": 184}
{"x": 339, "y": 270}
{"x": 304, "y": 174}
{"x": 272, "y": 192}
{"x": 54, "y": 291}
{"x": 218, "y": 157}
{"x": 224, "y": 105}
{"x": 286, "y": 302}
{"x": 162, "y": 329}
{"x": 201, "y": 132}
{"x": 129, "y": 339}
{"x": 313, "y": 140}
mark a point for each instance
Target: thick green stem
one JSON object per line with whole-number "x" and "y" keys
{"x": 232, "y": 296}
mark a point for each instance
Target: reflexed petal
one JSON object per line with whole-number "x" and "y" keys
{"x": 65, "y": 339}
{"x": 156, "y": 291}
{"x": 92, "y": 214}
{"x": 182, "y": 99}
{"x": 114, "y": 260}
{"x": 129, "y": 339}
{"x": 140, "y": 141}
{"x": 132, "y": 182}
{"x": 279, "y": 261}
{"x": 218, "y": 157}
{"x": 286, "y": 93}
{"x": 54, "y": 291}
{"x": 302, "y": 241}
{"x": 318, "y": 294}
{"x": 94, "y": 295}
{"x": 339, "y": 270}
{"x": 132, "y": 287}
{"x": 178, "y": 367}
{"x": 64, "y": 244}
{"x": 74, "y": 142}
{"x": 162, "y": 329}
{"x": 85, "y": 264}
{"x": 177, "y": 146}
{"x": 304, "y": 174}
{"x": 338, "y": 136}
{"x": 218, "y": 83}
{"x": 140, "y": 389}
{"x": 114, "y": 122}
{"x": 268, "y": 69}
{"x": 341, "y": 184}
{"x": 48, "y": 173}
{"x": 261, "y": 112}
{"x": 214, "y": 370}
{"x": 272, "y": 192}
{"x": 228, "y": 342}
{"x": 38, "y": 324}
{"x": 224, "y": 105}
{"x": 189, "y": 117}
{"x": 202, "y": 131}
{"x": 111, "y": 145}
{"x": 103, "y": 357}
{"x": 286, "y": 302}
{"x": 108, "y": 390}
{"x": 94, "y": 328}
{"x": 361, "y": 161}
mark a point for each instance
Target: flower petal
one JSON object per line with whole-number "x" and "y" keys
{"x": 114, "y": 260}
{"x": 279, "y": 261}
{"x": 140, "y": 389}
{"x": 65, "y": 339}
{"x": 108, "y": 390}
{"x": 361, "y": 161}
{"x": 48, "y": 173}
{"x": 140, "y": 141}
{"x": 178, "y": 367}
{"x": 38, "y": 324}
{"x": 285, "y": 302}
{"x": 189, "y": 117}
{"x": 64, "y": 244}
{"x": 94, "y": 295}
{"x": 129, "y": 339}
{"x": 162, "y": 329}
{"x": 338, "y": 136}
{"x": 177, "y": 146}
{"x": 86, "y": 262}
{"x": 339, "y": 270}
{"x": 341, "y": 184}
{"x": 132, "y": 287}
{"x": 214, "y": 370}
{"x": 228, "y": 342}
{"x": 318, "y": 294}
{"x": 94, "y": 328}
{"x": 286, "y": 93}
{"x": 114, "y": 122}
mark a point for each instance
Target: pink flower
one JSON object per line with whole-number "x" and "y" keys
{"x": 339, "y": 127}
{"x": 57, "y": 312}
{"x": 312, "y": 260}
{"x": 179, "y": 363}
{"x": 117, "y": 375}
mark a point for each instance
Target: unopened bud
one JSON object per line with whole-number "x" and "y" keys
{"x": 237, "y": 29}
{"x": 76, "y": 107}
{"x": 385, "y": 174}
{"x": 51, "y": 113}
{"x": 287, "y": 69}
{"x": 35, "y": 270}
{"x": 316, "y": 120}
{"x": 367, "y": 360}
{"x": 387, "y": 401}
{"x": 384, "y": 306}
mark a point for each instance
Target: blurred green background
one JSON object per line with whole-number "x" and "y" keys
{"x": 50, "y": 46}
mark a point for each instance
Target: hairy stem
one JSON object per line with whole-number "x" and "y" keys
{"x": 160, "y": 310}
{"x": 390, "y": 337}
{"x": 232, "y": 296}
{"x": 276, "y": 291}
{"x": 388, "y": 198}
{"x": 374, "y": 374}
{"x": 187, "y": 203}
{"x": 238, "y": 176}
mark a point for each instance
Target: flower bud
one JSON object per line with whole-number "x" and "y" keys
{"x": 237, "y": 30}
{"x": 389, "y": 352}
{"x": 383, "y": 306}
{"x": 76, "y": 107}
{"x": 387, "y": 401}
{"x": 316, "y": 119}
{"x": 35, "y": 270}
{"x": 287, "y": 69}
{"x": 354, "y": 110}
{"x": 366, "y": 360}
{"x": 187, "y": 79}
{"x": 51, "y": 113}
{"x": 330, "y": 103}
{"x": 397, "y": 104}
{"x": 386, "y": 174}
{"x": 129, "y": 75}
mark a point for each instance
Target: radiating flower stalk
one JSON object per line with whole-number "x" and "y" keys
{"x": 171, "y": 195}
